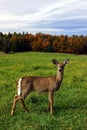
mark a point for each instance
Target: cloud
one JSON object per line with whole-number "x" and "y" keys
{"x": 54, "y": 16}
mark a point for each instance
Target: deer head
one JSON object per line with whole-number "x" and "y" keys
{"x": 60, "y": 65}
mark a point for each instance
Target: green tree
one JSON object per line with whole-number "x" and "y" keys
{"x": 1, "y": 41}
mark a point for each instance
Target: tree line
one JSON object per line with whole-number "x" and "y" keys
{"x": 22, "y": 42}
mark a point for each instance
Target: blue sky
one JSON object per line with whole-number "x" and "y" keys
{"x": 56, "y": 17}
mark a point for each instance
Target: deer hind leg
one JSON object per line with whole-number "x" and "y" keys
{"x": 50, "y": 107}
{"x": 16, "y": 99}
{"x": 23, "y": 104}
{"x": 14, "y": 104}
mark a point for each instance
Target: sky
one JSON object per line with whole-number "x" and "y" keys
{"x": 56, "y": 17}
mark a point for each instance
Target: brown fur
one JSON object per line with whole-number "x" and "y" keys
{"x": 48, "y": 84}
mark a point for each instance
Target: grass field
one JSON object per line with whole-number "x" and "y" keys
{"x": 70, "y": 102}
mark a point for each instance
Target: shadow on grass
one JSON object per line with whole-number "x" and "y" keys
{"x": 58, "y": 109}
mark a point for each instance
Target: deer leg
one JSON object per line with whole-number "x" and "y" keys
{"x": 50, "y": 107}
{"x": 23, "y": 104}
{"x": 16, "y": 98}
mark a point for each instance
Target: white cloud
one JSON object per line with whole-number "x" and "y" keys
{"x": 33, "y": 16}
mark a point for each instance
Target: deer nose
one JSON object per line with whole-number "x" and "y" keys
{"x": 60, "y": 70}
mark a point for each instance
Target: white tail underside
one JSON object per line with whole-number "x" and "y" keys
{"x": 19, "y": 87}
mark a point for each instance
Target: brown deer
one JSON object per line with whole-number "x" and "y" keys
{"x": 48, "y": 84}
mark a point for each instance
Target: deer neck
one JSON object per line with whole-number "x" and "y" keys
{"x": 59, "y": 76}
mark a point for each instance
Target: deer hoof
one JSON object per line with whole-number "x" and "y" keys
{"x": 12, "y": 112}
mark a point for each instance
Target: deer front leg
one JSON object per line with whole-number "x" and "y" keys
{"x": 50, "y": 107}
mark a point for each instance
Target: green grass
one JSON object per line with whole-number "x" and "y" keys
{"x": 70, "y": 102}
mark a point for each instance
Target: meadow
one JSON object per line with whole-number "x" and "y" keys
{"x": 70, "y": 102}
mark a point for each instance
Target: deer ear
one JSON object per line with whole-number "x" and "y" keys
{"x": 67, "y": 61}
{"x": 55, "y": 61}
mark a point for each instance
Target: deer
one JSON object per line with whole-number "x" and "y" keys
{"x": 49, "y": 84}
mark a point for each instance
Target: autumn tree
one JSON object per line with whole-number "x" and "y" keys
{"x": 18, "y": 42}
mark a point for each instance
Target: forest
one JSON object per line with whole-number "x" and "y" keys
{"x": 22, "y": 42}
